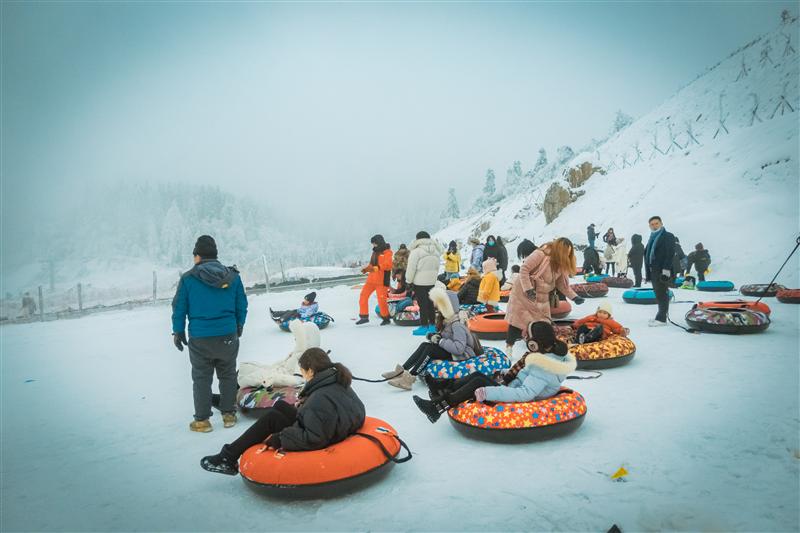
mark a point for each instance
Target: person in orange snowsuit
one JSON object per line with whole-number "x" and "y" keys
{"x": 378, "y": 271}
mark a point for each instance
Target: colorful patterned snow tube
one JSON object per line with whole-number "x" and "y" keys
{"x": 254, "y": 400}
{"x": 590, "y": 290}
{"x": 643, "y": 296}
{"x": 618, "y": 282}
{"x": 761, "y": 307}
{"x": 761, "y": 290}
{"x": 504, "y": 295}
{"x": 725, "y": 320}
{"x": 491, "y": 326}
{"x": 477, "y": 309}
{"x": 608, "y": 353}
{"x": 561, "y": 310}
{"x": 789, "y": 296}
{"x": 322, "y": 320}
{"x": 352, "y": 463}
{"x": 715, "y": 286}
{"x": 520, "y": 422}
{"x": 491, "y": 362}
{"x": 407, "y": 317}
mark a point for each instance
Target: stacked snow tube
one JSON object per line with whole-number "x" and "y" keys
{"x": 761, "y": 290}
{"x": 715, "y": 286}
{"x": 590, "y": 290}
{"x": 726, "y": 320}
{"x": 597, "y": 278}
{"x": 356, "y": 461}
{"x": 504, "y": 295}
{"x": 491, "y": 326}
{"x": 789, "y": 296}
{"x": 254, "y": 400}
{"x": 738, "y": 304}
{"x": 643, "y": 296}
{"x": 407, "y": 317}
{"x": 520, "y": 422}
{"x": 322, "y": 320}
{"x": 618, "y": 282}
{"x": 491, "y": 362}
{"x": 561, "y": 310}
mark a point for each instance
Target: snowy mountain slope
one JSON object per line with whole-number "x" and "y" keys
{"x": 711, "y": 192}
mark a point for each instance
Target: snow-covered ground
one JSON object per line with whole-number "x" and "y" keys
{"x": 95, "y": 414}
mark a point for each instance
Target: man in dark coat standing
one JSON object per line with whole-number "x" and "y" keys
{"x": 658, "y": 257}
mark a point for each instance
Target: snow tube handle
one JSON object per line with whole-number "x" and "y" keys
{"x": 385, "y": 451}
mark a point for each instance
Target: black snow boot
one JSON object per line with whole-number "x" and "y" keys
{"x": 437, "y": 387}
{"x": 222, "y": 463}
{"x": 432, "y": 409}
{"x": 593, "y": 336}
{"x": 363, "y": 319}
{"x": 386, "y": 321}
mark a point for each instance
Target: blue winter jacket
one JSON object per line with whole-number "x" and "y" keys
{"x": 307, "y": 311}
{"x": 476, "y": 260}
{"x": 212, "y": 296}
{"x": 540, "y": 378}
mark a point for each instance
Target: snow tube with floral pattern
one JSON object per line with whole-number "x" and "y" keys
{"x": 491, "y": 362}
{"x": 590, "y": 290}
{"x": 761, "y": 290}
{"x": 407, "y": 317}
{"x": 614, "y": 351}
{"x": 254, "y": 400}
{"x": 322, "y": 320}
{"x": 726, "y": 320}
{"x": 618, "y": 282}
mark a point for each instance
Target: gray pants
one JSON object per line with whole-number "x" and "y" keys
{"x": 208, "y": 354}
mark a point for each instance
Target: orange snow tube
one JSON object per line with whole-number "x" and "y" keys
{"x": 738, "y": 304}
{"x": 353, "y": 462}
{"x": 504, "y": 295}
{"x": 490, "y": 326}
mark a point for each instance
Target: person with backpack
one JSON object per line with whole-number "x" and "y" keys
{"x": 328, "y": 412}
{"x": 700, "y": 259}
{"x": 212, "y": 297}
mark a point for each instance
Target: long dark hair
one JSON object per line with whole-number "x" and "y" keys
{"x": 525, "y": 248}
{"x": 317, "y": 359}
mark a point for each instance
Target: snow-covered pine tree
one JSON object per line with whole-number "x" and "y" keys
{"x": 621, "y": 121}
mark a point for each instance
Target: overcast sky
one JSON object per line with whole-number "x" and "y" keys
{"x": 347, "y": 111}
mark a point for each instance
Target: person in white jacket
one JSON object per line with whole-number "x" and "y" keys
{"x": 423, "y": 267}
{"x": 616, "y": 256}
{"x": 282, "y": 373}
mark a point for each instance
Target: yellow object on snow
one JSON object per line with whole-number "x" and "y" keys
{"x": 619, "y": 474}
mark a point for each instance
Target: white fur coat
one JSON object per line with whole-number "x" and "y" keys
{"x": 282, "y": 374}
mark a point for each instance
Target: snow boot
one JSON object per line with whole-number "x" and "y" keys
{"x": 396, "y": 373}
{"x": 201, "y": 426}
{"x": 386, "y": 321}
{"x": 363, "y": 319}
{"x": 403, "y": 381}
{"x": 229, "y": 419}
{"x": 594, "y": 335}
{"x": 432, "y": 409}
{"x": 222, "y": 463}
{"x": 437, "y": 387}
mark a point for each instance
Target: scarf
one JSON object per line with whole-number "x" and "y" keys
{"x": 652, "y": 242}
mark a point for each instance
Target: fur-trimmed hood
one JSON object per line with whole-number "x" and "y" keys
{"x": 446, "y": 302}
{"x": 560, "y": 366}
{"x": 428, "y": 245}
{"x": 282, "y": 373}
{"x": 306, "y": 335}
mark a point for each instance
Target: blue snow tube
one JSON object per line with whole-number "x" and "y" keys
{"x": 492, "y": 361}
{"x": 322, "y": 320}
{"x": 597, "y": 278}
{"x": 678, "y": 282}
{"x": 715, "y": 286}
{"x": 643, "y": 296}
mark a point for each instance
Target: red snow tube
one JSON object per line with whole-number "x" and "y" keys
{"x": 737, "y": 304}
{"x": 561, "y": 310}
{"x": 353, "y": 462}
{"x": 491, "y": 326}
{"x": 590, "y": 290}
{"x": 789, "y": 296}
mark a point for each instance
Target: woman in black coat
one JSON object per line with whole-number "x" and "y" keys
{"x": 328, "y": 412}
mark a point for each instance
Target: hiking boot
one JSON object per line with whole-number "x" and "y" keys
{"x": 403, "y": 381}
{"x": 222, "y": 463}
{"x": 229, "y": 420}
{"x": 362, "y": 320}
{"x": 433, "y": 410}
{"x": 386, "y": 321}
{"x": 201, "y": 426}
{"x": 396, "y": 373}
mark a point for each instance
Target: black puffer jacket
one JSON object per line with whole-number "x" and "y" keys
{"x": 329, "y": 413}
{"x": 468, "y": 293}
{"x": 636, "y": 255}
{"x": 701, "y": 260}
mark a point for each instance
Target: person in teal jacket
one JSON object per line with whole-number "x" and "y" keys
{"x": 212, "y": 297}
{"x": 538, "y": 375}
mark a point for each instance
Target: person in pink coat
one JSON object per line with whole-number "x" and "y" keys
{"x": 547, "y": 268}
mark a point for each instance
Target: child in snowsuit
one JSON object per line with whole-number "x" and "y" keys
{"x": 489, "y": 291}
{"x": 538, "y": 375}
{"x": 598, "y": 326}
{"x": 308, "y": 308}
{"x": 701, "y": 260}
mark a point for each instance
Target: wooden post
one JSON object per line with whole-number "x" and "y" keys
{"x": 80, "y": 297}
{"x": 51, "y": 263}
{"x": 266, "y": 271}
{"x": 41, "y": 304}
{"x": 283, "y": 272}
{"x": 155, "y": 285}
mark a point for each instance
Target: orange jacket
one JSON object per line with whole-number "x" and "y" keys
{"x": 610, "y": 326}
{"x": 379, "y": 275}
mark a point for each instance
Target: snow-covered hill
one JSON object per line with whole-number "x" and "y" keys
{"x": 718, "y": 160}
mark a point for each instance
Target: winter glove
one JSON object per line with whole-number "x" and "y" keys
{"x": 578, "y": 300}
{"x": 180, "y": 340}
{"x": 239, "y": 330}
{"x": 480, "y": 394}
{"x": 435, "y": 338}
{"x": 274, "y": 441}
{"x": 531, "y": 294}
{"x": 665, "y": 275}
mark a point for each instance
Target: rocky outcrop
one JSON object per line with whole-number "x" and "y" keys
{"x": 577, "y": 176}
{"x": 556, "y": 199}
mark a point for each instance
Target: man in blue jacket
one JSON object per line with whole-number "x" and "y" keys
{"x": 658, "y": 266}
{"x": 212, "y": 296}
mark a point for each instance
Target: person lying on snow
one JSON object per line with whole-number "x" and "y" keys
{"x": 489, "y": 292}
{"x": 537, "y": 376}
{"x": 328, "y": 412}
{"x": 308, "y": 308}
{"x": 598, "y": 326}
{"x": 468, "y": 293}
{"x": 509, "y": 284}
{"x": 452, "y": 341}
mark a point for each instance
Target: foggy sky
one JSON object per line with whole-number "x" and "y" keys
{"x": 341, "y": 112}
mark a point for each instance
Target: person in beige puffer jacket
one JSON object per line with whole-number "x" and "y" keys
{"x": 423, "y": 267}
